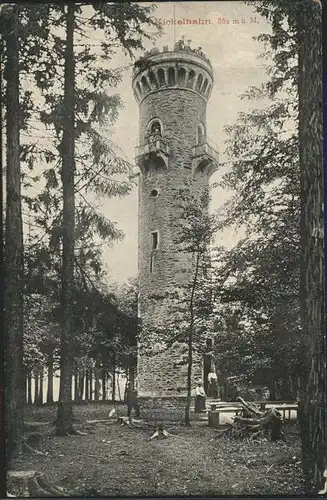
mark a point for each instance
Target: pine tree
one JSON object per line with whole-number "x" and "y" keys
{"x": 97, "y": 162}
{"x": 65, "y": 412}
{"x": 302, "y": 37}
{"x": 13, "y": 290}
{"x": 313, "y": 396}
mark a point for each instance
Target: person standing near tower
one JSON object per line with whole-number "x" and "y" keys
{"x": 200, "y": 398}
{"x": 213, "y": 388}
{"x": 131, "y": 400}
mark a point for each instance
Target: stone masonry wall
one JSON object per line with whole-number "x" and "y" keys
{"x": 180, "y": 112}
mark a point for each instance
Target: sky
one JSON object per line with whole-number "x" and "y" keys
{"x": 234, "y": 56}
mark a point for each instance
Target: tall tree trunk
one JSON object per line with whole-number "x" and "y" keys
{"x": 133, "y": 357}
{"x": 29, "y": 387}
{"x": 50, "y": 380}
{"x": 104, "y": 385}
{"x": 294, "y": 387}
{"x": 118, "y": 387}
{"x": 81, "y": 383}
{"x": 76, "y": 387}
{"x": 131, "y": 374}
{"x": 87, "y": 386}
{"x": 13, "y": 257}
{"x": 64, "y": 422}
{"x": 97, "y": 383}
{"x": 41, "y": 386}
{"x": 313, "y": 391}
{"x": 36, "y": 387}
{"x": 272, "y": 386}
{"x": 91, "y": 383}
{"x": 285, "y": 386}
{"x": 26, "y": 387}
{"x": 190, "y": 343}
{"x": 2, "y": 273}
{"x": 187, "y": 420}
{"x": 113, "y": 391}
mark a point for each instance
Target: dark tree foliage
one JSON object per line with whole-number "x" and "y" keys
{"x": 100, "y": 169}
{"x": 293, "y": 207}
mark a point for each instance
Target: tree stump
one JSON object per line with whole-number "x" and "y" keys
{"x": 31, "y": 484}
{"x": 276, "y": 426}
{"x": 160, "y": 432}
{"x": 125, "y": 420}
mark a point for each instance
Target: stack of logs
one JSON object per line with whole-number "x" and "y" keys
{"x": 254, "y": 423}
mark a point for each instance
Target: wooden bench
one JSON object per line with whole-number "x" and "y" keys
{"x": 216, "y": 410}
{"x": 287, "y": 408}
{"x": 214, "y": 415}
{"x": 262, "y": 404}
{"x": 214, "y": 405}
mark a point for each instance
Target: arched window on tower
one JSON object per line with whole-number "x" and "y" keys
{"x": 161, "y": 77}
{"x": 205, "y": 86}
{"x": 145, "y": 85}
{"x": 191, "y": 78}
{"x": 171, "y": 76}
{"x": 200, "y": 134}
{"x": 138, "y": 89}
{"x": 154, "y": 130}
{"x": 153, "y": 80}
{"x": 181, "y": 76}
{"x": 199, "y": 82}
{"x": 155, "y": 127}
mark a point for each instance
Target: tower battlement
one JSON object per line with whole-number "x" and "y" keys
{"x": 181, "y": 67}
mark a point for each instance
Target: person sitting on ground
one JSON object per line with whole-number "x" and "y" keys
{"x": 200, "y": 398}
{"x": 131, "y": 400}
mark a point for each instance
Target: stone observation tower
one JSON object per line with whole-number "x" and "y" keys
{"x": 172, "y": 88}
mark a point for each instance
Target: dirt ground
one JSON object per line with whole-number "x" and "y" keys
{"x": 116, "y": 460}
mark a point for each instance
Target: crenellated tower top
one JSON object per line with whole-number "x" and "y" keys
{"x": 182, "y": 67}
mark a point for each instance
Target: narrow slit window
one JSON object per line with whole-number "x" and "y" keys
{"x": 151, "y": 263}
{"x": 154, "y": 240}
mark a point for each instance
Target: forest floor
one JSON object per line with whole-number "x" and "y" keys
{"x": 120, "y": 460}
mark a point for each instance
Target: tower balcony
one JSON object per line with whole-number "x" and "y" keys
{"x": 205, "y": 159}
{"x": 155, "y": 150}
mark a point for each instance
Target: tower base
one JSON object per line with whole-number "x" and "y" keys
{"x": 165, "y": 409}
{"x": 164, "y": 376}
